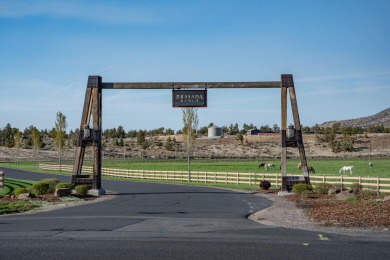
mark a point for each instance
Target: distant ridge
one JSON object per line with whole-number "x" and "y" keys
{"x": 382, "y": 117}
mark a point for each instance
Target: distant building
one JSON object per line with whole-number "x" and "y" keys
{"x": 214, "y": 132}
{"x": 253, "y": 132}
{"x": 258, "y": 132}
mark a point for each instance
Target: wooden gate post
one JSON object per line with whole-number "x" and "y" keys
{"x": 296, "y": 140}
{"x": 90, "y": 135}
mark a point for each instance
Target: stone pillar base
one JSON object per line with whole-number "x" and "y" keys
{"x": 284, "y": 193}
{"x": 97, "y": 192}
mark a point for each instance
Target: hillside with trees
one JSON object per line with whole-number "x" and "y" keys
{"x": 380, "y": 119}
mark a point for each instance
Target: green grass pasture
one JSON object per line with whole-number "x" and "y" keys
{"x": 381, "y": 167}
{"x": 10, "y": 185}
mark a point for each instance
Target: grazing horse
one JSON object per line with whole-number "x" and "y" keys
{"x": 310, "y": 169}
{"x": 299, "y": 166}
{"x": 346, "y": 168}
{"x": 261, "y": 164}
{"x": 269, "y": 165}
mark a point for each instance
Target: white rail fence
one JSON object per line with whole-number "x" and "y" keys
{"x": 377, "y": 184}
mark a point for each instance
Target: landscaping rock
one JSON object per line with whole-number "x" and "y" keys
{"x": 24, "y": 196}
{"x": 386, "y": 198}
{"x": 355, "y": 188}
{"x": 308, "y": 194}
{"x": 345, "y": 195}
{"x": 333, "y": 191}
{"x": 63, "y": 192}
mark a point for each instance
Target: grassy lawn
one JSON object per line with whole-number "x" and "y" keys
{"x": 32, "y": 167}
{"x": 7, "y": 207}
{"x": 10, "y": 185}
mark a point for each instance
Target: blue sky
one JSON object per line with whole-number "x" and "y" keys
{"x": 338, "y": 52}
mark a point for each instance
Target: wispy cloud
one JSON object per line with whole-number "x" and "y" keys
{"x": 331, "y": 90}
{"x": 347, "y": 76}
{"x": 105, "y": 13}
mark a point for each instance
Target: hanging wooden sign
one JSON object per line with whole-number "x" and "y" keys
{"x": 189, "y": 98}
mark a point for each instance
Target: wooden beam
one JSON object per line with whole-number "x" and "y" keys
{"x": 177, "y": 85}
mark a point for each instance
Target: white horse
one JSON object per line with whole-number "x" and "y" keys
{"x": 269, "y": 166}
{"x": 346, "y": 168}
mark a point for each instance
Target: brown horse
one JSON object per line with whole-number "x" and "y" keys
{"x": 310, "y": 169}
{"x": 261, "y": 165}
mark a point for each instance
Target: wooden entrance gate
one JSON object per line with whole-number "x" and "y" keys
{"x": 91, "y": 124}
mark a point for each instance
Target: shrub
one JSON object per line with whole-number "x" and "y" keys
{"x": 265, "y": 185}
{"x": 351, "y": 199}
{"x": 63, "y": 185}
{"x": 323, "y": 188}
{"x": 52, "y": 183}
{"x": 240, "y": 137}
{"x": 355, "y": 188}
{"x": 81, "y": 189}
{"x": 145, "y": 145}
{"x": 169, "y": 144}
{"x": 299, "y": 188}
{"x": 20, "y": 190}
{"x": 368, "y": 193}
{"x": 40, "y": 188}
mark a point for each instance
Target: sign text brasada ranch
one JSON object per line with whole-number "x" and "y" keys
{"x": 189, "y": 98}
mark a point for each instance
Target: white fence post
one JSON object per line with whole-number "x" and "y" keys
{"x": 377, "y": 185}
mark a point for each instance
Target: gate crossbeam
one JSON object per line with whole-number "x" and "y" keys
{"x": 170, "y": 85}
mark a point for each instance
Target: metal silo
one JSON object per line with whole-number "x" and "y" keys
{"x": 214, "y": 132}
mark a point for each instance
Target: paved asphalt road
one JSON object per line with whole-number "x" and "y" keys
{"x": 161, "y": 221}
